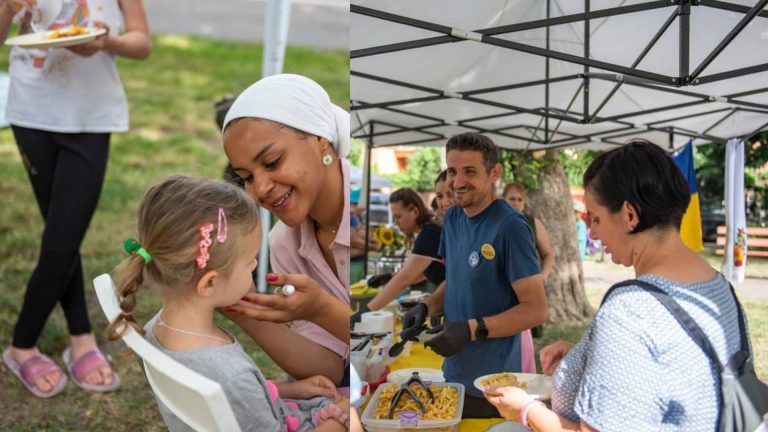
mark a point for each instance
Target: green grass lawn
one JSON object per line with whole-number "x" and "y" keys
{"x": 171, "y": 98}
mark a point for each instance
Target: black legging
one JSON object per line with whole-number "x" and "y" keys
{"x": 66, "y": 171}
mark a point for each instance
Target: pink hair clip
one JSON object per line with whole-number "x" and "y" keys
{"x": 205, "y": 239}
{"x": 203, "y": 245}
{"x": 221, "y": 227}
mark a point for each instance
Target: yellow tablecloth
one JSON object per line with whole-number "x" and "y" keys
{"x": 422, "y": 358}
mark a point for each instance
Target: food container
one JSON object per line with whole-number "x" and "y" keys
{"x": 376, "y": 425}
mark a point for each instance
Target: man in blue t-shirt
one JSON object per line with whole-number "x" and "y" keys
{"x": 493, "y": 288}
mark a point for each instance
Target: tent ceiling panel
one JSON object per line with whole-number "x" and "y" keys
{"x": 634, "y": 77}
{"x": 710, "y": 26}
{"x": 399, "y": 33}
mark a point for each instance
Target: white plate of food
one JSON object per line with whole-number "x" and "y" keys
{"x": 537, "y": 385}
{"x": 57, "y": 38}
{"x": 507, "y": 426}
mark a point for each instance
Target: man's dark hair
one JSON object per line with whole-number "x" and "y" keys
{"x": 645, "y": 176}
{"x": 474, "y": 141}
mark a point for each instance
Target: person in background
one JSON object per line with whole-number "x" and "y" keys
{"x": 63, "y": 106}
{"x": 516, "y": 196}
{"x": 443, "y": 194}
{"x": 581, "y": 228}
{"x": 493, "y": 289}
{"x": 411, "y": 217}
{"x": 357, "y": 238}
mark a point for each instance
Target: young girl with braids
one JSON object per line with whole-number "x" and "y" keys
{"x": 198, "y": 241}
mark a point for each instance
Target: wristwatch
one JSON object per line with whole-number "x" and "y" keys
{"x": 481, "y": 332}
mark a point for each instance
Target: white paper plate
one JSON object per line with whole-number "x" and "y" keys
{"x": 539, "y": 386}
{"x": 400, "y": 376}
{"x": 41, "y": 40}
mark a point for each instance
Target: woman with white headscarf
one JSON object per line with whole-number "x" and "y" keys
{"x": 287, "y": 141}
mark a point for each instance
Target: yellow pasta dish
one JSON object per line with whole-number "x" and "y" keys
{"x": 67, "y": 32}
{"x": 504, "y": 380}
{"x": 443, "y": 408}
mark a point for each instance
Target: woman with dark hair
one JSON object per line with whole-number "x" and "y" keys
{"x": 412, "y": 217}
{"x": 636, "y": 368}
{"x": 515, "y": 195}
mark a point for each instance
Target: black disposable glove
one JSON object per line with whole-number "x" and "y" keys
{"x": 415, "y": 318}
{"x": 357, "y": 316}
{"x": 451, "y": 338}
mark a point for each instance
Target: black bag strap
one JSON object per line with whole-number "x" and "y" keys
{"x": 682, "y": 317}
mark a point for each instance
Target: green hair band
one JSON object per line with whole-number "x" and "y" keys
{"x": 133, "y": 247}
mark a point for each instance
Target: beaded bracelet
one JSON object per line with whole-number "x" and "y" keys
{"x": 524, "y": 411}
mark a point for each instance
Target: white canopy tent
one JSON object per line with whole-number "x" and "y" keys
{"x": 548, "y": 74}
{"x": 519, "y": 70}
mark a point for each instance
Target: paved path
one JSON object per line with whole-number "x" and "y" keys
{"x": 320, "y": 24}
{"x": 603, "y": 275}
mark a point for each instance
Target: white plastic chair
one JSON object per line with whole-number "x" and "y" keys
{"x": 198, "y": 401}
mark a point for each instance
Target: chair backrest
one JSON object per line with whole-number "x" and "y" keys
{"x": 196, "y": 400}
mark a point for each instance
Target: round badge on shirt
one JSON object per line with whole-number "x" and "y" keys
{"x": 474, "y": 259}
{"x": 488, "y": 251}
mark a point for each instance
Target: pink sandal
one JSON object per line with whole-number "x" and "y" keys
{"x": 33, "y": 368}
{"x": 87, "y": 363}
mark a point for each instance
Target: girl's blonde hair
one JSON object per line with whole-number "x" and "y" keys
{"x": 170, "y": 216}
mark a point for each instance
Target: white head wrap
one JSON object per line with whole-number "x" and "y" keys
{"x": 295, "y": 101}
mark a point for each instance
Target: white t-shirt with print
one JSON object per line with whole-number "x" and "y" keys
{"x": 56, "y": 90}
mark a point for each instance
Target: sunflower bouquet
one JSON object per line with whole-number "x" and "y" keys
{"x": 392, "y": 242}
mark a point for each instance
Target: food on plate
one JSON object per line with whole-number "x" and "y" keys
{"x": 67, "y": 32}
{"x": 504, "y": 380}
{"x": 444, "y": 407}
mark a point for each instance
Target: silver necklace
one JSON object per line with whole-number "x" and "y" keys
{"x": 162, "y": 323}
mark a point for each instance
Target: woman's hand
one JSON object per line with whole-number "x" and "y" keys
{"x": 90, "y": 48}
{"x": 308, "y": 388}
{"x": 304, "y": 304}
{"x": 508, "y": 400}
{"x": 552, "y": 354}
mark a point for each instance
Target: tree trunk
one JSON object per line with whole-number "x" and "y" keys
{"x": 551, "y": 203}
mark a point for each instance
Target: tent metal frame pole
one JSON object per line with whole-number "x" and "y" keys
{"x": 365, "y": 105}
{"x": 684, "y": 12}
{"x": 687, "y": 116}
{"x": 547, "y": 136}
{"x": 671, "y": 138}
{"x": 672, "y": 17}
{"x": 521, "y": 85}
{"x": 585, "y": 97}
{"x": 748, "y": 17}
{"x": 722, "y": 119}
{"x": 650, "y": 111}
{"x": 448, "y": 38}
{"x": 368, "y": 196}
{"x": 731, "y": 74}
{"x": 729, "y": 98}
{"x": 395, "y": 82}
{"x": 729, "y": 7}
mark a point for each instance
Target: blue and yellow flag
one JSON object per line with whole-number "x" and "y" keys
{"x": 690, "y": 229}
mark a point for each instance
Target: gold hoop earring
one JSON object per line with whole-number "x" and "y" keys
{"x": 327, "y": 159}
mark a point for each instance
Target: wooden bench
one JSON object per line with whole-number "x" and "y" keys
{"x": 757, "y": 241}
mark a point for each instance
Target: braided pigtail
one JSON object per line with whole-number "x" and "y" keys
{"x": 129, "y": 276}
